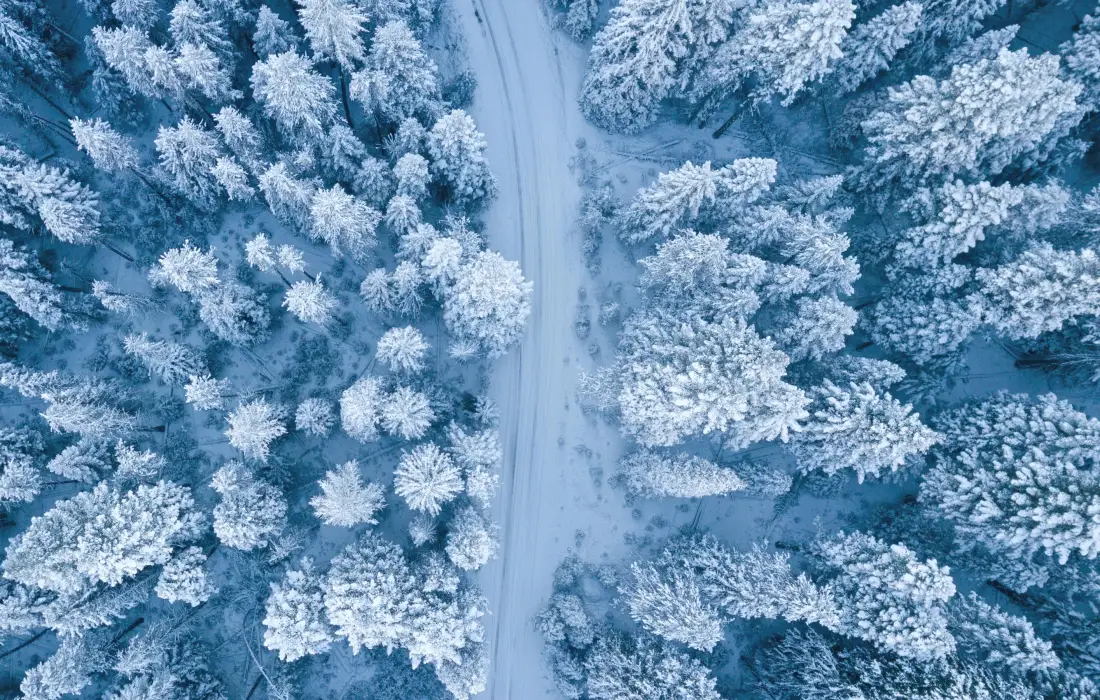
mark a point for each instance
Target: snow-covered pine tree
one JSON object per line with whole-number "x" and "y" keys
{"x": 133, "y": 305}
{"x": 201, "y": 69}
{"x": 345, "y": 501}
{"x": 289, "y": 198}
{"x": 333, "y": 28}
{"x": 253, "y": 426}
{"x": 488, "y": 303}
{"x": 816, "y": 327}
{"x": 233, "y": 179}
{"x": 406, "y": 413}
{"x": 738, "y": 392}
{"x": 187, "y": 268}
{"x": 1039, "y": 291}
{"x": 103, "y": 536}
{"x": 427, "y": 478}
{"x": 206, "y": 393}
{"x": 681, "y": 475}
{"x": 235, "y": 313}
{"x": 984, "y": 117}
{"x": 456, "y": 150}
{"x": 680, "y": 196}
{"x": 405, "y": 283}
{"x": 412, "y": 175}
{"x": 360, "y": 409}
{"x": 310, "y": 302}
{"x": 858, "y": 428}
{"x": 1082, "y": 57}
{"x": 240, "y": 135}
{"x": 620, "y": 667}
{"x": 345, "y": 223}
{"x": 273, "y": 35}
{"x": 669, "y": 604}
{"x": 191, "y": 22}
{"x": 123, "y": 49}
{"x": 370, "y": 594}
{"x": 184, "y": 579}
{"x": 784, "y": 45}
{"x": 68, "y": 671}
{"x": 471, "y": 540}
{"x": 872, "y": 45}
{"x": 188, "y": 153}
{"x": 888, "y": 596}
{"x": 108, "y": 149}
{"x": 294, "y": 615}
{"x": 998, "y": 639}
{"x": 315, "y": 416}
{"x": 402, "y": 350}
{"x": 400, "y": 80}
{"x": 172, "y": 362}
{"x": 27, "y": 284}
{"x": 250, "y": 511}
{"x": 300, "y": 101}
{"x": 402, "y": 214}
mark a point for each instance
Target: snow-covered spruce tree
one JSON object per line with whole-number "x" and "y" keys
{"x": 250, "y": 511}
{"x": 1040, "y": 291}
{"x": 816, "y": 327}
{"x": 187, "y": 154}
{"x": 667, "y": 395}
{"x": 998, "y": 639}
{"x": 300, "y": 101}
{"x": 184, "y": 579}
{"x": 692, "y": 193}
{"x": 681, "y": 475}
{"x": 346, "y": 223}
{"x": 68, "y": 671}
{"x": 402, "y": 350}
{"x": 952, "y": 21}
{"x": 371, "y": 594}
{"x": 360, "y": 409}
{"x": 235, "y": 313}
{"x": 27, "y": 284}
{"x": 427, "y": 478}
{"x": 240, "y": 135}
{"x": 400, "y": 80}
{"x": 456, "y": 150}
{"x": 124, "y": 49}
{"x": 345, "y": 501}
{"x": 402, "y": 214}
{"x": 858, "y": 428}
{"x": 619, "y": 667}
{"x": 333, "y": 28}
{"x": 103, "y": 536}
{"x": 294, "y": 616}
{"x": 108, "y": 149}
{"x": 133, "y": 305}
{"x": 172, "y": 362}
{"x": 253, "y": 426}
{"x": 412, "y": 175}
{"x": 888, "y": 596}
{"x": 488, "y": 302}
{"x": 342, "y": 153}
{"x": 479, "y": 454}
{"x": 311, "y": 302}
{"x": 669, "y": 604}
{"x": 68, "y": 209}
{"x": 91, "y": 407}
{"x": 203, "y": 70}
{"x": 783, "y": 45}
{"x": 872, "y": 45}
{"x": 315, "y": 416}
{"x": 406, "y": 413}
{"x": 982, "y": 118}
{"x": 1082, "y": 58}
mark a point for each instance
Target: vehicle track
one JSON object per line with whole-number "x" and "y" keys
{"x": 527, "y": 114}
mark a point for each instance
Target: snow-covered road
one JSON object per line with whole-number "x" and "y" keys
{"x": 526, "y": 106}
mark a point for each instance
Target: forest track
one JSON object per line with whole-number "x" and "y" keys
{"x": 527, "y": 114}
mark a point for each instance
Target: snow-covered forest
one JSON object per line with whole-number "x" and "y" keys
{"x": 248, "y": 309}
{"x": 842, "y": 298}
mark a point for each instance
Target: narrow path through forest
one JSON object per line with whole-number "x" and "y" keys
{"x": 526, "y": 106}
